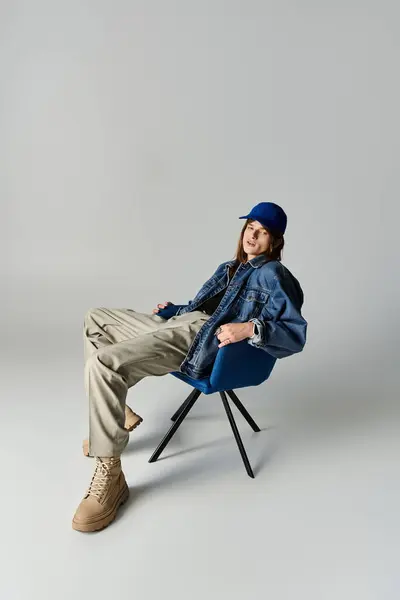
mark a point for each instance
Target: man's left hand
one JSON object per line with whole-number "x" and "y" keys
{"x": 234, "y": 332}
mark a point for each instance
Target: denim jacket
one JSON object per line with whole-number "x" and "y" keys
{"x": 261, "y": 290}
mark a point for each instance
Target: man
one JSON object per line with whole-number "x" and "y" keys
{"x": 253, "y": 297}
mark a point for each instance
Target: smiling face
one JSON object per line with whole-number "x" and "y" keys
{"x": 256, "y": 239}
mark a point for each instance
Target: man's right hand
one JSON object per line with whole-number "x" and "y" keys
{"x": 160, "y": 306}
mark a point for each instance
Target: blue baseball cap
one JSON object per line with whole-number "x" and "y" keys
{"x": 270, "y": 215}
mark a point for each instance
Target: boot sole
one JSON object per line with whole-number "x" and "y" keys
{"x": 107, "y": 519}
{"x": 128, "y": 429}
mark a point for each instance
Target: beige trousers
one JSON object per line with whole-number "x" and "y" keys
{"x": 121, "y": 346}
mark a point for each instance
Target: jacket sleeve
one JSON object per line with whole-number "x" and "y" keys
{"x": 173, "y": 310}
{"x": 181, "y": 306}
{"x": 282, "y": 328}
{"x": 218, "y": 271}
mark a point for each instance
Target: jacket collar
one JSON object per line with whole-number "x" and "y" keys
{"x": 258, "y": 261}
{"x": 255, "y": 262}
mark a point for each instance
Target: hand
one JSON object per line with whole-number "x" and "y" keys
{"x": 234, "y": 332}
{"x": 159, "y": 306}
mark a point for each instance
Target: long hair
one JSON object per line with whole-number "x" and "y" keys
{"x": 273, "y": 252}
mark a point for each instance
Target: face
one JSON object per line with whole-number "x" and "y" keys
{"x": 256, "y": 239}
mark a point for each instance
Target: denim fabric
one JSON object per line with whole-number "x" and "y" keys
{"x": 261, "y": 290}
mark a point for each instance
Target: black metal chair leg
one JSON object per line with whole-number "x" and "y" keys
{"x": 182, "y": 406}
{"x": 236, "y": 434}
{"x": 189, "y": 402}
{"x": 242, "y": 409}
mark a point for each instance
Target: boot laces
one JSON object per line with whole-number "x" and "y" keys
{"x": 101, "y": 479}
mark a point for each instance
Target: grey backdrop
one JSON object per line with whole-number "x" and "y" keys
{"x": 132, "y": 136}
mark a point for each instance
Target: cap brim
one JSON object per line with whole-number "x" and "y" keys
{"x": 245, "y": 217}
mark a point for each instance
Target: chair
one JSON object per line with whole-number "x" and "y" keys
{"x": 236, "y": 366}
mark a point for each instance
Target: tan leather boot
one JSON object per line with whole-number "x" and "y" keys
{"x": 132, "y": 420}
{"x": 108, "y": 490}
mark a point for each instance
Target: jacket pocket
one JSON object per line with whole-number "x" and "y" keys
{"x": 249, "y": 303}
